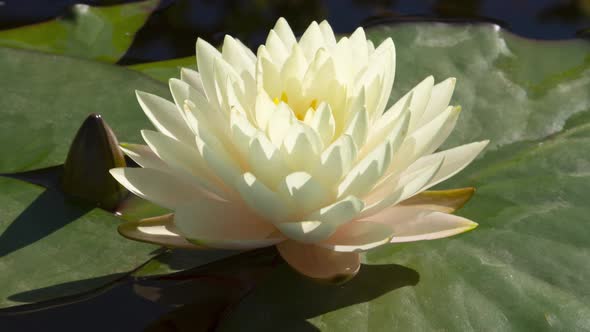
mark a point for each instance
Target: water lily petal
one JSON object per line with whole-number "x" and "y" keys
{"x": 222, "y": 164}
{"x": 307, "y": 231}
{"x": 359, "y": 50}
{"x": 192, "y": 78}
{"x": 363, "y": 177}
{"x": 370, "y": 47}
{"x": 386, "y": 50}
{"x": 238, "y": 56}
{"x": 263, "y": 109}
{"x": 372, "y": 90}
{"x": 323, "y": 123}
{"x": 164, "y": 116}
{"x": 206, "y": 57}
{"x": 328, "y": 34}
{"x": 358, "y": 127}
{"x": 397, "y": 188}
{"x": 439, "y": 100}
{"x": 230, "y": 89}
{"x": 284, "y": 32}
{"x": 224, "y": 225}
{"x": 159, "y": 230}
{"x": 279, "y": 123}
{"x": 182, "y": 158}
{"x": 321, "y": 224}
{"x": 415, "y": 224}
{"x": 313, "y": 70}
{"x": 455, "y": 160}
{"x": 358, "y": 237}
{"x": 303, "y": 192}
{"x": 336, "y": 161}
{"x": 446, "y": 201}
{"x": 301, "y": 147}
{"x": 162, "y": 188}
{"x": 445, "y": 125}
{"x": 183, "y": 95}
{"x": 276, "y": 48}
{"x": 386, "y": 126}
{"x": 266, "y": 161}
{"x": 262, "y": 200}
{"x": 321, "y": 83}
{"x": 295, "y": 66}
{"x": 346, "y": 65}
{"x": 268, "y": 74}
{"x": 320, "y": 263}
{"x": 144, "y": 156}
{"x": 242, "y": 132}
{"x": 354, "y": 104}
{"x": 229, "y": 85}
{"x": 180, "y": 91}
{"x": 312, "y": 40}
{"x": 338, "y": 213}
{"x": 395, "y": 134}
{"x": 426, "y": 139}
{"x": 420, "y": 98}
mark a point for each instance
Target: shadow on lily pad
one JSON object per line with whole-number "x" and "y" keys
{"x": 49, "y": 212}
{"x": 284, "y": 301}
{"x": 111, "y": 308}
{"x": 38, "y": 298}
{"x": 254, "y": 291}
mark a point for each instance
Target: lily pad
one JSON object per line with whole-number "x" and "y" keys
{"x": 100, "y": 33}
{"x": 525, "y": 268}
{"x": 45, "y": 98}
{"x": 65, "y": 247}
{"x": 166, "y": 69}
{"x": 46, "y": 239}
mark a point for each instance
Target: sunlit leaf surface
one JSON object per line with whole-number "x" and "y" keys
{"x": 100, "y": 33}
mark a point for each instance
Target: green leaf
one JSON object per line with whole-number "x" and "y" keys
{"x": 45, "y": 99}
{"x": 63, "y": 247}
{"x": 47, "y": 240}
{"x": 525, "y": 268}
{"x": 73, "y": 249}
{"x": 164, "y": 70}
{"x": 100, "y": 33}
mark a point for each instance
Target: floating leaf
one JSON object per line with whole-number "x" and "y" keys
{"x": 47, "y": 239}
{"x": 100, "y": 33}
{"x": 47, "y": 95}
{"x": 45, "y": 99}
{"x": 164, "y": 70}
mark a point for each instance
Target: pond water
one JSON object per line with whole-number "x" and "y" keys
{"x": 173, "y": 28}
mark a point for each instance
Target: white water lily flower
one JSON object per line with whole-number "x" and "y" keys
{"x": 293, "y": 147}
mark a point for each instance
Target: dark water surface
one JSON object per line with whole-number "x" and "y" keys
{"x": 173, "y": 28}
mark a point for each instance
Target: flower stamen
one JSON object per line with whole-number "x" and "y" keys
{"x": 284, "y": 98}
{"x": 314, "y": 104}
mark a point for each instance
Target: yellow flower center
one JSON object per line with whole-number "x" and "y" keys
{"x": 314, "y": 104}
{"x": 284, "y": 98}
{"x": 300, "y": 115}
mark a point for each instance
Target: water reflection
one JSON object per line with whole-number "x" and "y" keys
{"x": 252, "y": 291}
{"x": 566, "y": 11}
